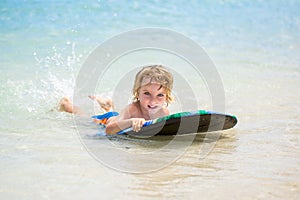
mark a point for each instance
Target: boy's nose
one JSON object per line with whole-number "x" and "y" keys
{"x": 152, "y": 101}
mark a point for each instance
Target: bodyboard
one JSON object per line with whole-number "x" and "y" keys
{"x": 200, "y": 121}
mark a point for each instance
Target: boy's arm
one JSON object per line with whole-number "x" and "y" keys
{"x": 115, "y": 124}
{"x": 124, "y": 121}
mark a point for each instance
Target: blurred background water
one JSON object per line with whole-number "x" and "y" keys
{"x": 255, "y": 47}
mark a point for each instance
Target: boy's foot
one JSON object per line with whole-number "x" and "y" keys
{"x": 105, "y": 104}
{"x": 65, "y": 105}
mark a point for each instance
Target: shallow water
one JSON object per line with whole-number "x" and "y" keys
{"x": 255, "y": 47}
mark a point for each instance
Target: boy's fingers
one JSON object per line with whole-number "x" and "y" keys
{"x": 137, "y": 125}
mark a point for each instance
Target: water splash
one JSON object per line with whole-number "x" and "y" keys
{"x": 39, "y": 91}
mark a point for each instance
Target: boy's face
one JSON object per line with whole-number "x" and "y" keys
{"x": 152, "y": 97}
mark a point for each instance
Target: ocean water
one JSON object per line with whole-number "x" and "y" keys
{"x": 254, "y": 46}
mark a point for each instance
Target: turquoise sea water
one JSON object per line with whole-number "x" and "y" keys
{"x": 255, "y": 47}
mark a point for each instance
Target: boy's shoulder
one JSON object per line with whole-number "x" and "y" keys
{"x": 134, "y": 106}
{"x": 131, "y": 110}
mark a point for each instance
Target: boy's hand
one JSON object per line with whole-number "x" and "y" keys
{"x": 137, "y": 124}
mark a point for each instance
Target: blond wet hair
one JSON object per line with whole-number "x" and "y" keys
{"x": 153, "y": 74}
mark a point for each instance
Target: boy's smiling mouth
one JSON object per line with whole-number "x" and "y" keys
{"x": 152, "y": 107}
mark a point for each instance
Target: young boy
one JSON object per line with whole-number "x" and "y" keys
{"x": 152, "y": 94}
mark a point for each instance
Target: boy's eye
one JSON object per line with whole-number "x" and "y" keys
{"x": 146, "y": 93}
{"x": 160, "y": 95}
